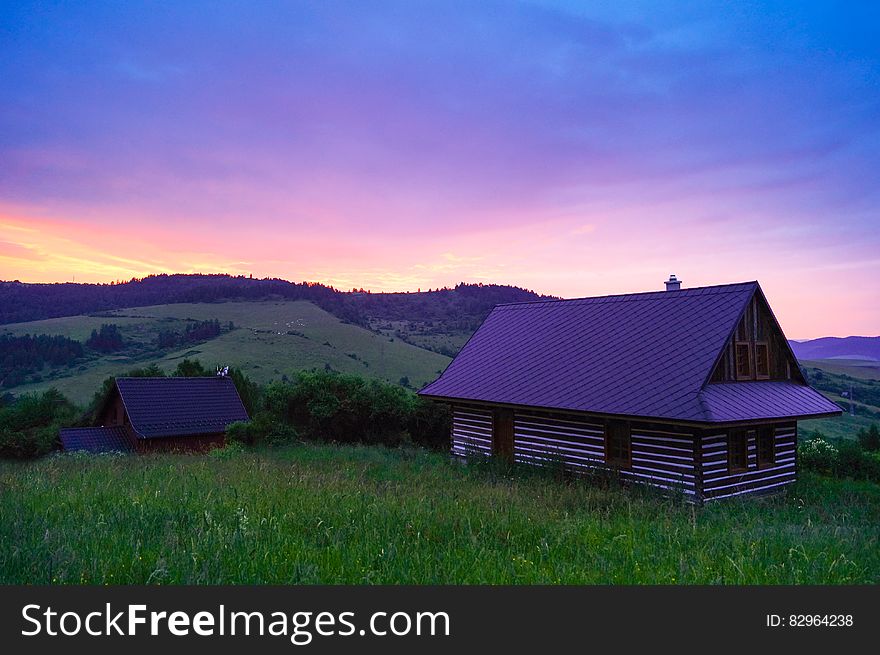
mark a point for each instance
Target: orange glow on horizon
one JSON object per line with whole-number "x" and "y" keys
{"x": 568, "y": 257}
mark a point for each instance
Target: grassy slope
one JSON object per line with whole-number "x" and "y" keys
{"x": 845, "y": 426}
{"x": 260, "y": 345}
{"x": 323, "y": 514}
{"x": 857, "y": 368}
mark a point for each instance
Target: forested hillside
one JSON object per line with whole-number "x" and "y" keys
{"x": 460, "y": 308}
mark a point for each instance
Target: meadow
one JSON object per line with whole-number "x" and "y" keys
{"x": 369, "y": 515}
{"x": 271, "y": 339}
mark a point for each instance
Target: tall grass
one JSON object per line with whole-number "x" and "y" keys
{"x": 351, "y": 515}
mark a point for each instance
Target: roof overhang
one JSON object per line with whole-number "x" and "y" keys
{"x": 632, "y": 417}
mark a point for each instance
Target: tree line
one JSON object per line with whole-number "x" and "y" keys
{"x": 193, "y": 333}
{"x": 462, "y": 306}
{"x": 21, "y": 356}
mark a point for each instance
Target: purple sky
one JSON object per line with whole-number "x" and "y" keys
{"x": 573, "y": 150}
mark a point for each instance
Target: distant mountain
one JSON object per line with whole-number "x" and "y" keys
{"x": 837, "y": 348}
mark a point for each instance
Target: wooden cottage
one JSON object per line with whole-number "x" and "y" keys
{"x": 161, "y": 415}
{"x": 695, "y": 390}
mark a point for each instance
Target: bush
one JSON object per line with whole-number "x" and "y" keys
{"x": 855, "y": 462}
{"x": 844, "y": 459}
{"x": 29, "y": 427}
{"x": 260, "y": 428}
{"x": 818, "y": 454}
{"x": 230, "y": 451}
{"x": 429, "y": 424}
{"x": 329, "y": 406}
{"x": 348, "y": 409}
{"x": 870, "y": 438}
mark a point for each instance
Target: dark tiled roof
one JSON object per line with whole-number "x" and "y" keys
{"x": 741, "y": 401}
{"x": 95, "y": 440}
{"x": 644, "y": 354}
{"x": 168, "y": 407}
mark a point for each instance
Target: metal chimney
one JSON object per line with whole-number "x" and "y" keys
{"x": 673, "y": 283}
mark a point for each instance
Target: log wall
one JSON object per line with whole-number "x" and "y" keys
{"x": 674, "y": 458}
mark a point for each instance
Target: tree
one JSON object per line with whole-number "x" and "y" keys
{"x": 870, "y": 438}
{"x": 108, "y": 339}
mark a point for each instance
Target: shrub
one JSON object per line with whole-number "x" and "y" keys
{"x": 262, "y": 427}
{"x": 855, "y": 462}
{"x": 29, "y": 426}
{"x": 230, "y": 451}
{"x": 429, "y": 424}
{"x": 870, "y": 438}
{"x": 346, "y": 408}
{"x": 845, "y": 458}
{"x": 818, "y": 454}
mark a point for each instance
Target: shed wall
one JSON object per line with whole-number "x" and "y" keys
{"x": 189, "y": 444}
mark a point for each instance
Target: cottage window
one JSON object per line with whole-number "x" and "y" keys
{"x": 618, "y": 444}
{"x": 762, "y": 360}
{"x": 743, "y": 360}
{"x": 737, "y": 451}
{"x": 766, "y": 446}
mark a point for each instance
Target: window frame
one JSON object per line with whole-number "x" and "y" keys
{"x": 732, "y": 437}
{"x": 749, "y": 358}
{"x": 766, "y": 435}
{"x": 618, "y": 429}
{"x": 766, "y": 346}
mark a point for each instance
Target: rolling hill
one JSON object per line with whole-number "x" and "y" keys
{"x": 270, "y": 339}
{"x": 850, "y": 348}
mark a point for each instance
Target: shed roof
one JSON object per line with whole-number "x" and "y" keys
{"x": 95, "y": 440}
{"x": 642, "y": 355}
{"x": 169, "y": 407}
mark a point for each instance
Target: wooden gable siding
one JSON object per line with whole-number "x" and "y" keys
{"x": 719, "y": 482}
{"x": 114, "y": 412}
{"x": 471, "y": 431}
{"x": 757, "y": 326}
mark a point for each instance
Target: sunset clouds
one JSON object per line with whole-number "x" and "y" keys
{"x": 404, "y": 145}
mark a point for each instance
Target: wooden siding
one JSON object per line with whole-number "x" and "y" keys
{"x": 663, "y": 458}
{"x": 660, "y": 457}
{"x": 757, "y": 326}
{"x": 718, "y": 482}
{"x": 471, "y": 431}
{"x": 542, "y": 440}
{"x": 201, "y": 443}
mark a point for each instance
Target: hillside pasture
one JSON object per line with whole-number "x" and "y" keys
{"x": 862, "y": 369}
{"x": 270, "y": 339}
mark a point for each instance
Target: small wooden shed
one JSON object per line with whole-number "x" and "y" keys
{"x": 159, "y": 414}
{"x": 695, "y": 390}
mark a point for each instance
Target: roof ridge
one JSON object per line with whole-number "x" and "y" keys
{"x": 173, "y": 377}
{"x": 719, "y": 288}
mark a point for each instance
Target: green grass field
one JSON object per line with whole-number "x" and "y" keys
{"x": 326, "y": 514}
{"x": 844, "y": 426}
{"x": 858, "y": 368}
{"x": 261, "y": 345}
